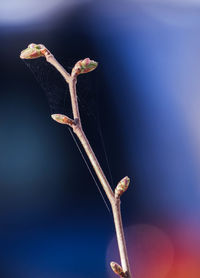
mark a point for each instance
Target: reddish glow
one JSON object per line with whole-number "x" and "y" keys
{"x": 187, "y": 255}
{"x": 185, "y": 266}
{"x": 150, "y": 251}
{"x": 152, "y": 254}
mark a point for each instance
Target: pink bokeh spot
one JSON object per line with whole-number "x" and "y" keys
{"x": 150, "y": 250}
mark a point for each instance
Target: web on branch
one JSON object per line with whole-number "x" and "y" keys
{"x": 58, "y": 96}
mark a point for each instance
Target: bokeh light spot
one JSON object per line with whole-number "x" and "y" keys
{"x": 21, "y": 11}
{"x": 150, "y": 251}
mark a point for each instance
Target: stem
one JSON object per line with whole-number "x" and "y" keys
{"x": 52, "y": 60}
{"x": 74, "y": 101}
{"x": 120, "y": 237}
{"x": 77, "y": 128}
{"x": 95, "y": 164}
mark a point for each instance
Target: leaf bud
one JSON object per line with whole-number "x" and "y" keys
{"x": 62, "y": 119}
{"x": 117, "y": 269}
{"x": 33, "y": 51}
{"x": 84, "y": 66}
{"x": 122, "y": 186}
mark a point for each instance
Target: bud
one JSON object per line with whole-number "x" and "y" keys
{"x": 33, "y": 51}
{"x": 117, "y": 269}
{"x": 84, "y": 66}
{"x": 122, "y": 186}
{"x": 62, "y": 119}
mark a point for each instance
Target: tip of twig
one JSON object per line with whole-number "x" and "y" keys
{"x": 62, "y": 119}
{"x": 84, "y": 66}
{"x": 33, "y": 51}
{"x": 122, "y": 186}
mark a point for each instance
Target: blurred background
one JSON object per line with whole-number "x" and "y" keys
{"x": 146, "y": 90}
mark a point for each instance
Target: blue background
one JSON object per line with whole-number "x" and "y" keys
{"x": 53, "y": 222}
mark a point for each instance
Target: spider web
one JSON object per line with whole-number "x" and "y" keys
{"x": 58, "y": 96}
{"x": 53, "y": 84}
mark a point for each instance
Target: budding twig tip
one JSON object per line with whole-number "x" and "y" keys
{"x": 84, "y": 66}
{"x": 34, "y": 51}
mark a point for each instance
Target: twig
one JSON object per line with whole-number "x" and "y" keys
{"x": 84, "y": 66}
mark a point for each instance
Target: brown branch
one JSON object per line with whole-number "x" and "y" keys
{"x": 74, "y": 101}
{"x": 84, "y": 66}
{"x": 50, "y": 58}
{"x": 114, "y": 201}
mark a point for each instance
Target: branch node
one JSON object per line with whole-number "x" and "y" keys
{"x": 122, "y": 186}
{"x": 77, "y": 121}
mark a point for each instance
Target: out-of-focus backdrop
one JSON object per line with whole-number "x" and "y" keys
{"x": 53, "y": 222}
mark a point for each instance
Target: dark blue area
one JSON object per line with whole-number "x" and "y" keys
{"x": 53, "y": 222}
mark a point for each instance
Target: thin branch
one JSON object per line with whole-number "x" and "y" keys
{"x": 121, "y": 238}
{"x": 115, "y": 202}
{"x": 84, "y": 66}
{"x": 50, "y": 58}
{"x": 95, "y": 164}
{"x": 74, "y": 101}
